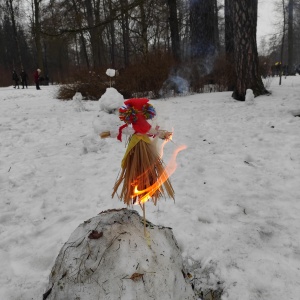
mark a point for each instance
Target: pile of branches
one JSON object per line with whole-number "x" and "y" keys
{"x": 90, "y": 84}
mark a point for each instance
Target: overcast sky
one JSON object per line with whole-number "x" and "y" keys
{"x": 266, "y": 18}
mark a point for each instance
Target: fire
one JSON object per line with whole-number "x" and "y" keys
{"x": 161, "y": 152}
{"x": 168, "y": 171}
{"x": 168, "y": 136}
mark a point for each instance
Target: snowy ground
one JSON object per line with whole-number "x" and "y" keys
{"x": 236, "y": 215}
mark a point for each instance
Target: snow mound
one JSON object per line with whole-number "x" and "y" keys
{"x": 104, "y": 121}
{"x": 108, "y": 257}
{"x": 92, "y": 143}
{"x": 77, "y": 102}
{"x": 107, "y": 119}
{"x": 249, "y": 99}
{"x": 111, "y": 101}
{"x": 111, "y": 72}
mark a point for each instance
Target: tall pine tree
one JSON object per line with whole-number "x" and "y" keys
{"x": 244, "y": 13}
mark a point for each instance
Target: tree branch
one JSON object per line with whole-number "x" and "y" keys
{"x": 115, "y": 14}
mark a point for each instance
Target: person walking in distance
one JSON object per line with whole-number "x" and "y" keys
{"x": 37, "y": 78}
{"x": 15, "y": 78}
{"x": 24, "y": 77}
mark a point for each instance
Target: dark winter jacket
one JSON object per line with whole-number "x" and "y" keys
{"x": 24, "y": 76}
{"x": 15, "y": 76}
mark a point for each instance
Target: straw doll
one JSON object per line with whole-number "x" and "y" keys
{"x": 143, "y": 175}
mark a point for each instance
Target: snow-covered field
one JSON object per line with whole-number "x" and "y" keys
{"x": 237, "y": 187}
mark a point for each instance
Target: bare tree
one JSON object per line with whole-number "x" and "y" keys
{"x": 125, "y": 31}
{"x": 11, "y": 9}
{"x": 37, "y": 32}
{"x": 229, "y": 43}
{"x": 282, "y": 39}
{"x": 297, "y": 33}
{"x": 173, "y": 20}
{"x": 144, "y": 27}
{"x": 216, "y": 26}
{"x": 202, "y": 23}
{"x": 291, "y": 70}
{"x": 92, "y": 9}
{"x": 78, "y": 19}
{"x": 245, "y": 49}
{"x": 113, "y": 40}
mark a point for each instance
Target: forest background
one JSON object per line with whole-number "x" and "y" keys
{"x": 155, "y": 45}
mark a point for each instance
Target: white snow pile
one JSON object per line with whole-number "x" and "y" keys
{"x": 109, "y": 257}
{"x": 249, "y": 99}
{"x": 111, "y": 72}
{"x": 106, "y": 120}
{"x": 77, "y": 102}
{"x": 110, "y": 101}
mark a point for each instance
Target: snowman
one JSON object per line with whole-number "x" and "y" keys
{"x": 249, "y": 99}
{"x": 77, "y": 102}
{"x": 108, "y": 115}
{"x": 106, "y": 119}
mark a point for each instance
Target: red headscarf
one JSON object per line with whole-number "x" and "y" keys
{"x": 133, "y": 112}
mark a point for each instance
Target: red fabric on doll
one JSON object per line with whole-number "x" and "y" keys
{"x": 140, "y": 125}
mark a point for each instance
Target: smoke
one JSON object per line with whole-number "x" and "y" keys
{"x": 208, "y": 63}
{"x": 189, "y": 76}
{"x": 174, "y": 85}
{"x": 181, "y": 84}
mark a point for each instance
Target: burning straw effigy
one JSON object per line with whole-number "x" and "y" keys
{"x": 143, "y": 174}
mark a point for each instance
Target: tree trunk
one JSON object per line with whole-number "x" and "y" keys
{"x": 173, "y": 21}
{"x": 216, "y": 26}
{"x": 93, "y": 34}
{"x": 282, "y": 41}
{"x": 202, "y": 16}
{"x": 82, "y": 40}
{"x": 125, "y": 31}
{"x": 144, "y": 28}
{"x": 99, "y": 32}
{"x": 15, "y": 33}
{"x": 229, "y": 43}
{"x": 112, "y": 36}
{"x": 245, "y": 49}
{"x": 291, "y": 68}
{"x": 37, "y": 33}
{"x": 77, "y": 60}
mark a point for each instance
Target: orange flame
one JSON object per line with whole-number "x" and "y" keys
{"x": 168, "y": 137}
{"x": 161, "y": 152}
{"x": 168, "y": 171}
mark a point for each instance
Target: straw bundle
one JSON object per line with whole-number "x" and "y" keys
{"x": 141, "y": 167}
